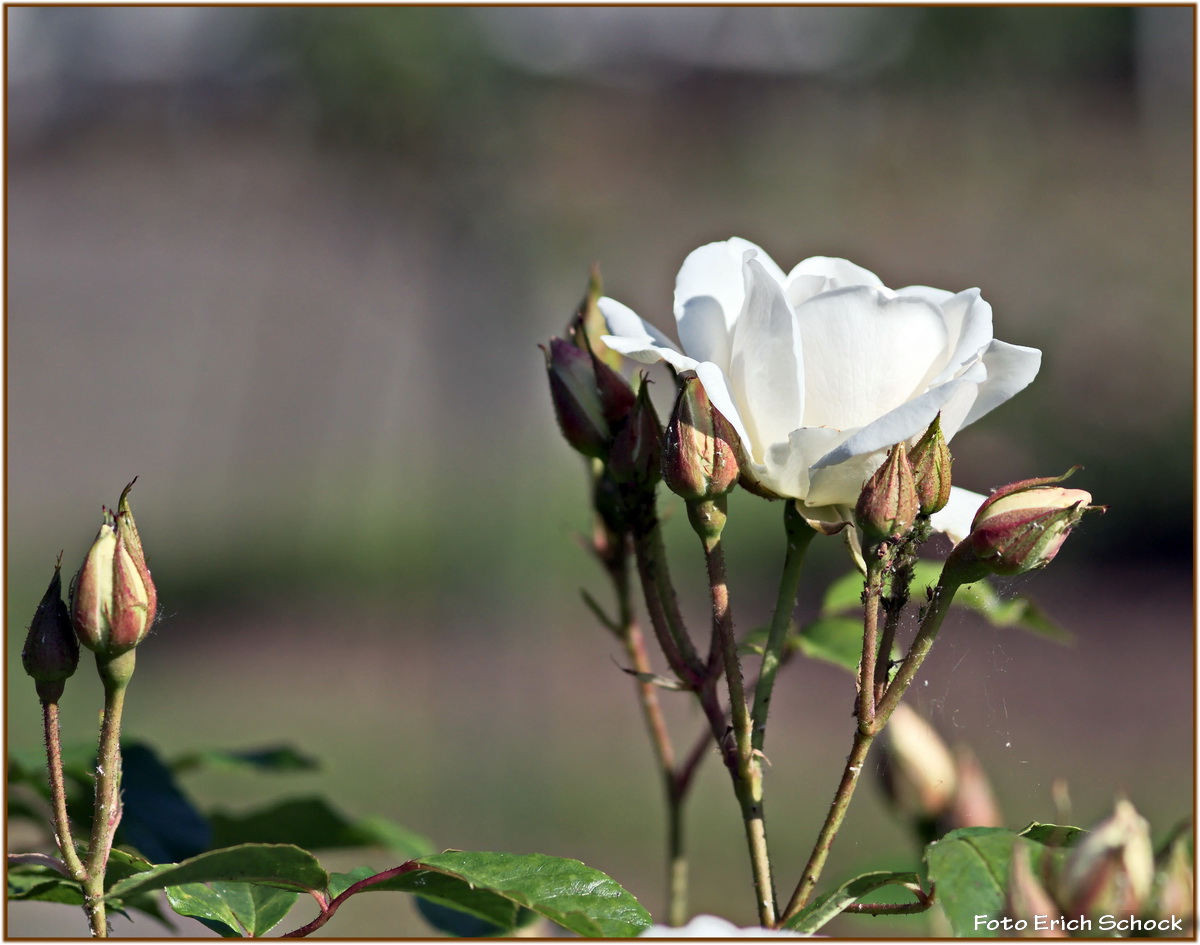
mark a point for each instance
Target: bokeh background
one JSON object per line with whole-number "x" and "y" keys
{"x": 290, "y": 266}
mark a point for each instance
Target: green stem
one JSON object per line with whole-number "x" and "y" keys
{"x": 942, "y": 597}
{"x": 876, "y": 564}
{"x": 115, "y": 673}
{"x": 670, "y": 602}
{"x": 613, "y": 550}
{"x": 58, "y": 792}
{"x": 708, "y": 520}
{"x": 674, "y": 791}
{"x": 677, "y": 864}
{"x": 661, "y": 603}
{"x": 799, "y": 537}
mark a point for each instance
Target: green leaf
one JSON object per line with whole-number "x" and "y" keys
{"x": 277, "y": 760}
{"x": 38, "y": 883}
{"x": 1053, "y": 835}
{"x": 830, "y": 905}
{"x": 836, "y": 640}
{"x": 41, "y": 884}
{"x": 982, "y": 598}
{"x": 340, "y": 882}
{"x": 459, "y": 924}
{"x": 843, "y": 595}
{"x": 495, "y": 886}
{"x": 280, "y": 865}
{"x": 158, "y": 819}
{"x": 970, "y": 868}
{"x": 233, "y": 909}
{"x": 197, "y": 901}
{"x": 311, "y": 823}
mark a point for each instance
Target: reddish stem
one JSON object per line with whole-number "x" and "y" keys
{"x": 327, "y": 911}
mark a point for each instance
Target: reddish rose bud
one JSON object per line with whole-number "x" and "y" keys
{"x": 112, "y": 598}
{"x": 700, "y": 447}
{"x": 51, "y": 651}
{"x": 591, "y": 400}
{"x": 1019, "y": 527}
{"x": 888, "y": 505}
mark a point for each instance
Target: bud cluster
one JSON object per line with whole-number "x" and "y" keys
{"x": 1112, "y": 871}
{"x": 113, "y": 603}
{"x": 601, "y": 416}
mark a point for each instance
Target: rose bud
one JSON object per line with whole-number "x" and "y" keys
{"x": 127, "y": 528}
{"x": 636, "y": 456}
{"x": 888, "y": 505}
{"x": 930, "y": 460}
{"x": 700, "y": 447}
{"x": 1111, "y": 870}
{"x": 590, "y": 399}
{"x": 1018, "y": 528}
{"x": 918, "y": 772}
{"x": 51, "y": 651}
{"x": 1027, "y": 897}
{"x": 587, "y": 325}
{"x": 974, "y": 802}
{"x": 112, "y": 595}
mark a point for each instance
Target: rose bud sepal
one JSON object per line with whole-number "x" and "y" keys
{"x": 636, "y": 455}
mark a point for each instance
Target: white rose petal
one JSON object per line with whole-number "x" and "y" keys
{"x": 823, "y": 369}
{"x": 711, "y": 926}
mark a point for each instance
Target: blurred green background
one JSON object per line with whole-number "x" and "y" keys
{"x": 289, "y": 266}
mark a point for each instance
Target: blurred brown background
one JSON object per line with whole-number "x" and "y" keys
{"x": 290, "y": 265}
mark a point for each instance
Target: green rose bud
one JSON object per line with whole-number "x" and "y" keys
{"x": 888, "y": 505}
{"x": 636, "y": 456}
{"x": 930, "y": 459}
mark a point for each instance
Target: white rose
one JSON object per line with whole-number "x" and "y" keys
{"x": 711, "y": 926}
{"x": 823, "y": 369}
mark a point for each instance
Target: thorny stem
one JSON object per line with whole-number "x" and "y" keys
{"x": 58, "y": 793}
{"x": 115, "y": 673}
{"x": 877, "y": 560}
{"x": 708, "y": 518}
{"x": 674, "y": 788}
{"x": 611, "y": 546}
{"x": 943, "y": 595}
{"x": 661, "y": 603}
{"x": 799, "y": 537}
